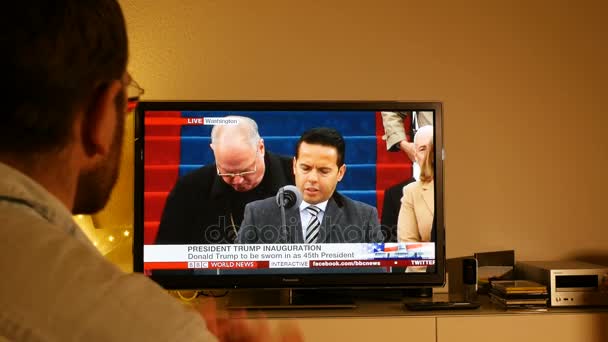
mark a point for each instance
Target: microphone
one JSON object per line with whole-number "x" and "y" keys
{"x": 288, "y": 196}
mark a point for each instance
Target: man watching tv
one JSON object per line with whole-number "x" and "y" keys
{"x": 61, "y": 133}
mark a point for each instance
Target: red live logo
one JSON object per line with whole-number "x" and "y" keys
{"x": 195, "y": 121}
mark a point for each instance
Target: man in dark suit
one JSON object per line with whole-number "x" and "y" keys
{"x": 206, "y": 206}
{"x": 324, "y": 216}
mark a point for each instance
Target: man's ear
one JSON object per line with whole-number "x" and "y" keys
{"x": 99, "y": 121}
{"x": 261, "y": 147}
{"x": 341, "y": 172}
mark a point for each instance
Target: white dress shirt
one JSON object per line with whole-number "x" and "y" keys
{"x": 305, "y": 216}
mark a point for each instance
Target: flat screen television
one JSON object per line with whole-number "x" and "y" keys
{"x": 188, "y": 225}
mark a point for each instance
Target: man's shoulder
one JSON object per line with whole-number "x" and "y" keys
{"x": 68, "y": 266}
{"x": 23, "y": 225}
{"x": 351, "y": 204}
{"x": 40, "y": 246}
{"x": 204, "y": 175}
{"x": 263, "y": 204}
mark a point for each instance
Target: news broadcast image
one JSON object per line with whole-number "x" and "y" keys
{"x": 177, "y": 144}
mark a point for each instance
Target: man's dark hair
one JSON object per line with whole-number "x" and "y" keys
{"x": 324, "y": 136}
{"x": 59, "y": 56}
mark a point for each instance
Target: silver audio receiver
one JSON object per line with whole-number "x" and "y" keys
{"x": 570, "y": 283}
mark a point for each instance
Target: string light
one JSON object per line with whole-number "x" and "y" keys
{"x": 105, "y": 239}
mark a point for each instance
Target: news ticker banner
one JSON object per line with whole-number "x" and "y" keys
{"x": 179, "y": 257}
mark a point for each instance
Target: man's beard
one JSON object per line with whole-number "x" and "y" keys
{"x": 95, "y": 186}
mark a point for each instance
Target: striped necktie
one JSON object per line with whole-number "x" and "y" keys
{"x": 312, "y": 230}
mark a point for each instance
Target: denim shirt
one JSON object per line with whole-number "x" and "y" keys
{"x": 56, "y": 286}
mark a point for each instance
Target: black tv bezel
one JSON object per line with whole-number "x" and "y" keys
{"x": 294, "y": 281}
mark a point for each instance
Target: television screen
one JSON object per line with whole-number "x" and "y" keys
{"x": 289, "y": 194}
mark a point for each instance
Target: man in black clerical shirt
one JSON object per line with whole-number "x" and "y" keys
{"x": 206, "y": 206}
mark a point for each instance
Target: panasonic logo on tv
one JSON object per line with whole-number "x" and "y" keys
{"x": 290, "y": 280}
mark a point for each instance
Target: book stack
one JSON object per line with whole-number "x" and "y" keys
{"x": 519, "y": 295}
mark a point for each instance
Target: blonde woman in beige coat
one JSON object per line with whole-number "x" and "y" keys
{"x": 417, "y": 204}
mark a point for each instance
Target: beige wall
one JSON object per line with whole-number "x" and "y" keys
{"x": 522, "y": 85}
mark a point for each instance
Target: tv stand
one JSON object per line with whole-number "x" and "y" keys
{"x": 373, "y": 320}
{"x": 288, "y": 299}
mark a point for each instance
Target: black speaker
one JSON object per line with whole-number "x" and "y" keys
{"x": 469, "y": 271}
{"x": 469, "y": 278}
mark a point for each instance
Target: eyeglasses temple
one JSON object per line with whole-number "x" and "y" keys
{"x": 131, "y": 104}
